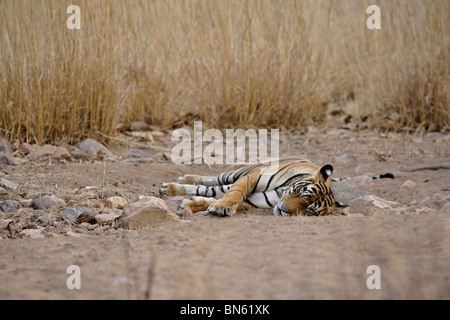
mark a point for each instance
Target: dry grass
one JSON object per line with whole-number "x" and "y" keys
{"x": 234, "y": 62}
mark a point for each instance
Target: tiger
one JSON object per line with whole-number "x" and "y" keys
{"x": 291, "y": 187}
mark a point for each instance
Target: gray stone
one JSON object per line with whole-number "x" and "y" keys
{"x": 8, "y": 185}
{"x": 9, "y": 206}
{"x": 147, "y": 212}
{"x": 49, "y": 150}
{"x": 92, "y": 147}
{"x": 343, "y": 192}
{"x": 116, "y": 202}
{"x": 139, "y": 126}
{"x": 105, "y": 218}
{"x": 4, "y": 223}
{"x": 6, "y": 159}
{"x": 48, "y": 202}
{"x": 6, "y": 147}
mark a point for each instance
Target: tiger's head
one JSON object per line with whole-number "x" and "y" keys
{"x": 313, "y": 195}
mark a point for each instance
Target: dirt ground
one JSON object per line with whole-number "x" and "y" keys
{"x": 252, "y": 255}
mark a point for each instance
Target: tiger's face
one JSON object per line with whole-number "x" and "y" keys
{"x": 310, "y": 196}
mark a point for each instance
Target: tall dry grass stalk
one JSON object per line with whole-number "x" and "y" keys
{"x": 234, "y": 62}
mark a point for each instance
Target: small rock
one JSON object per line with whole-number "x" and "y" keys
{"x": 122, "y": 126}
{"x": 63, "y": 225}
{"x": 435, "y": 202}
{"x": 26, "y": 148}
{"x": 25, "y": 202}
{"x": 48, "y": 202}
{"x": 73, "y": 234}
{"x": 32, "y": 233}
{"x": 139, "y": 126}
{"x": 143, "y": 135}
{"x": 372, "y": 201}
{"x": 6, "y": 147}
{"x": 92, "y": 147}
{"x": 105, "y": 218}
{"x": 49, "y": 150}
{"x": 393, "y": 212}
{"x": 381, "y": 204}
{"x": 9, "y": 206}
{"x": 147, "y": 212}
{"x": 8, "y": 185}
{"x": 78, "y": 154}
{"x": 105, "y": 194}
{"x": 72, "y": 213}
{"x": 5, "y": 159}
{"x": 116, "y": 202}
{"x": 4, "y": 224}
{"x": 408, "y": 185}
{"x": 3, "y": 191}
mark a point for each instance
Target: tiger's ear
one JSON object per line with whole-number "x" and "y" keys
{"x": 325, "y": 172}
{"x": 338, "y": 206}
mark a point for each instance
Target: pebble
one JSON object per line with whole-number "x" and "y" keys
{"x": 78, "y": 214}
{"x": 104, "y": 218}
{"x": 8, "y": 185}
{"x": 5, "y": 159}
{"x": 73, "y": 234}
{"x": 147, "y": 212}
{"x": 4, "y": 224}
{"x": 51, "y": 202}
{"x": 9, "y": 206}
{"x": 32, "y": 233}
{"x": 139, "y": 126}
{"x": 116, "y": 202}
{"x": 92, "y": 147}
{"x": 3, "y": 191}
{"x": 6, "y": 147}
{"x": 409, "y": 184}
{"x": 49, "y": 150}
{"x": 435, "y": 202}
{"x": 26, "y": 148}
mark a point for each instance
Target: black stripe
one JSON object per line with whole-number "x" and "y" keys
{"x": 213, "y": 189}
{"x": 256, "y": 184}
{"x": 267, "y": 200}
{"x": 289, "y": 181}
{"x": 250, "y": 203}
{"x": 273, "y": 176}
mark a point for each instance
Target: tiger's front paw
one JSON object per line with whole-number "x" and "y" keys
{"x": 221, "y": 210}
